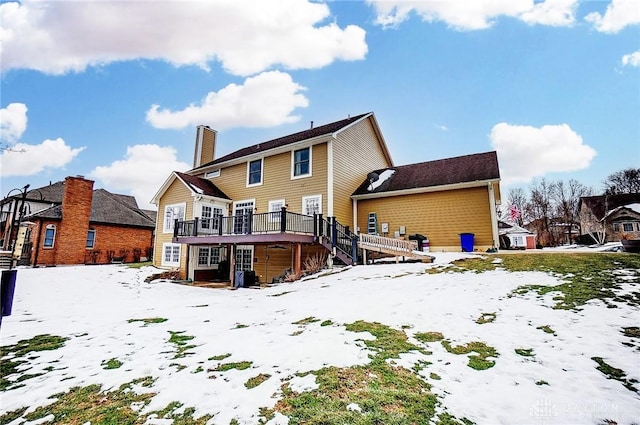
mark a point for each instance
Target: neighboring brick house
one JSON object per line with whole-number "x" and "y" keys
{"x": 86, "y": 226}
{"x": 267, "y": 206}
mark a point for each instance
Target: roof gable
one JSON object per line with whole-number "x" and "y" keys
{"x": 442, "y": 172}
{"x": 201, "y": 186}
{"x": 323, "y": 130}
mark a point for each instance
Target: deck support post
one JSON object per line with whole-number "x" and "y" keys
{"x": 298, "y": 260}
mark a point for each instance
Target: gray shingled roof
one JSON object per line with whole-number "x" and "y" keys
{"x": 202, "y": 186}
{"x": 50, "y": 193}
{"x": 287, "y": 140}
{"x": 107, "y": 208}
{"x": 461, "y": 169}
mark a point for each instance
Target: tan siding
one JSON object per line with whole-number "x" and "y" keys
{"x": 441, "y": 216}
{"x": 176, "y": 193}
{"x": 356, "y": 153}
{"x": 277, "y": 182}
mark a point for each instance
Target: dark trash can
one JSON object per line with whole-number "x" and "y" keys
{"x": 7, "y": 287}
{"x": 418, "y": 238}
{"x": 466, "y": 242}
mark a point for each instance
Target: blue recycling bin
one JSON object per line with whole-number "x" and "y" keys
{"x": 7, "y": 287}
{"x": 466, "y": 241}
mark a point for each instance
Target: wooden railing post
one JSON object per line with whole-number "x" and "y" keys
{"x": 220, "y": 224}
{"x": 354, "y": 249}
{"x": 334, "y": 233}
{"x": 175, "y": 228}
{"x": 195, "y": 226}
{"x": 317, "y": 225}
{"x": 283, "y": 219}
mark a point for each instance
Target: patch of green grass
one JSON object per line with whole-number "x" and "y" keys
{"x": 631, "y": 332}
{"x": 326, "y": 323}
{"x": 615, "y": 373}
{"x": 547, "y": 329}
{"x": 112, "y": 363}
{"x": 20, "y": 350}
{"x": 240, "y": 326}
{"x": 180, "y": 342}
{"x": 385, "y": 393}
{"x": 224, "y": 367}
{"x": 256, "y": 380}
{"x": 434, "y": 376}
{"x": 525, "y": 352}
{"x": 139, "y": 264}
{"x": 219, "y": 357}
{"x": 149, "y": 320}
{"x": 306, "y": 321}
{"x": 585, "y": 276}
{"x": 429, "y": 336}
{"x": 542, "y": 382}
{"x": 420, "y": 365}
{"x": 486, "y": 318}
{"x": 477, "y": 361}
{"x": 198, "y": 369}
{"x": 90, "y": 405}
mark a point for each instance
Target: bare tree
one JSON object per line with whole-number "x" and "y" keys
{"x": 516, "y": 197}
{"x": 566, "y": 199}
{"x": 625, "y": 181}
{"x": 539, "y": 210}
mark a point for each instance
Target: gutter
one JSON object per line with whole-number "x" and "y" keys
{"x": 429, "y": 189}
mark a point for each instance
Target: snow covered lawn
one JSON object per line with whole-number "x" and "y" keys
{"x": 480, "y": 347}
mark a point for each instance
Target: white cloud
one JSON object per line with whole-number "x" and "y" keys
{"x": 632, "y": 59}
{"x": 246, "y": 36}
{"x": 477, "y": 14}
{"x": 527, "y": 152}
{"x": 26, "y": 160}
{"x": 141, "y": 172}
{"x": 619, "y": 14}
{"x": 265, "y": 100}
{"x": 13, "y": 122}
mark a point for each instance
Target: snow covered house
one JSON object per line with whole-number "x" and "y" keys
{"x": 266, "y": 207}
{"x": 615, "y": 215}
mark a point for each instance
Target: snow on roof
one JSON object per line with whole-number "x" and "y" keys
{"x": 635, "y": 207}
{"x": 384, "y": 176}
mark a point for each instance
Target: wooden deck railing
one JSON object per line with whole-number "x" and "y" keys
{"x": 387, "y": 245}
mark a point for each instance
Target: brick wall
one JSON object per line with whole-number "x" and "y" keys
{"x": 130, "y": 243}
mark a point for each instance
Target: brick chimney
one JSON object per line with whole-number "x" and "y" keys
{"x": 71, "y": 236}
{"x": 205, "y": 148}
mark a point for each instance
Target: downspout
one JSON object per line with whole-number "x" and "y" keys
{"x": 494, "y": 217}
{"x": 330, "y": 178}
{"x": 35, "y": 257}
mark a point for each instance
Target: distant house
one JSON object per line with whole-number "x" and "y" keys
{"x": 264, "y": 208}
{"x": 518, "y": 238}
{"x": 613, "y": 215}
{"x": 71, "y": 223}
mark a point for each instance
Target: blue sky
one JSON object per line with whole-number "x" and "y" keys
{"x": 114, "y": 90}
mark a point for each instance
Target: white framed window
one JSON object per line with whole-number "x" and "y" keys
{"x": 275, "y": 209}
{"x": 171, "y": 213}
{"x": 254, "y": 172}
{"x": 244, "y": 257}
{"x": 616, "y": 227}
{"x": 91, "y": 239}
{"x": 49, "y": 236}
{"x": 208, "y": 255}
{"x": 627, "y": 227}
{"x": 301, "y": 163}
{"x": 312, "y": 205}
{"x": 212, "y": 174}
{"x": 170, "y": 254}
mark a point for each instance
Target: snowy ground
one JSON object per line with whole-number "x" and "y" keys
{"x": 93, "y": 307}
